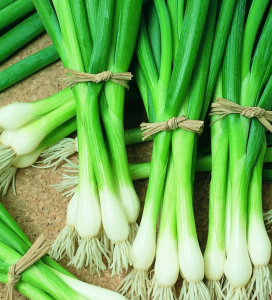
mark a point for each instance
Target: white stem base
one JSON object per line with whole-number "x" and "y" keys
{"x": 194, "y": 290}
{"x": 136, "y": 285}
{"x": 133, "y": 230}
{"x": 7, "y": 155}
{"x": 234, "y": 293}
{"x": 6, "y": 178}
{"x": 90, "y": 254}
{"x": 65, "y": 244}
{"x": 215, "y": 290}
{"x": 121, "y": 257}
{"x": 260, "y": 284}
{"x": 162, "y": 292}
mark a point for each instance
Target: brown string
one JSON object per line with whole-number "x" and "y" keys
{"x": 77, "y": 77}
{"x": 35, "y": 252}
{"x": 223, "y": 107}
{"x": 195, "y": 126}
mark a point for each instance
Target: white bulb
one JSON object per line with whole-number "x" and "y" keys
{"x": 214, "y": 261}
{"x": 114, "y": 217}
{"x": 16, "y": 115}
{"x": 144, "y": 245}
{"x": 7, "y": 136}
{"x": 88, "y": 214}
{"x": 167, "y": 263}
{"x": 191, "y": 260}
{"x": 259, "y": 245}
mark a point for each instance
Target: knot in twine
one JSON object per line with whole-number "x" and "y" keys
{"x": 77, "y": 77}
{"x": 195, "y": 126}
{"x": 35, "y": 252}
{"x": 223, "y": 107}
{"x": 253, "y": 112}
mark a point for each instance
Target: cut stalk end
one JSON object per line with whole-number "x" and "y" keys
{"x": 90, "y": 254}
{"x": 136, "y": 285}
{"x": 260, "y": 284}
{"x": 194, "y": 290}
{"x": 121, "y": 257}
{"x": 64, "y": 244}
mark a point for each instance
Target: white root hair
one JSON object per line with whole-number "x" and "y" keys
{"x": 260, "y": 284}
{"x": 69, "y": 183}
{"x": 7, "y": 155}
{"x": 234, "y": 293}
{"x": 65, "y": 243}
{"x": 194, "y": 290}
{"x": 159, "y": 292}
{"x": 108, "y": 245}
{"x": 90, "y": 254}
{"x": 133, "y": 230}
{"x": 56, "y": 154}
{"x": 268, "y": 220}
{"x": 121, "y": 257}
{"x": 136, "y": 285}
{"x": 6, "y": 177}
{"x": 215, "y": 289}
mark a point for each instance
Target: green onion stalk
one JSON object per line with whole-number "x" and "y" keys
{"x": 245, "y": 91}
{"x": 219, "y": 228}
{"x": 215, "y": 253}
{"x": 5, "y": 3}
{"x": 27, "y": 66}
{"x": 260, "y": 253}
{"x": 126, "y": 20}
{"x": 69, "y": 41}
{"x": 184, "y": 142}
{"x": 166, "y": 269}
{"x": 166, "y": 89}
{"x": 45, "y": 279}
{"x": 15, "y": 11}
{"x": 20, "y": 35}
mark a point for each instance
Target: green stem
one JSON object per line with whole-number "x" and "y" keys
{"x": 27, "y": 66}
{"x": 15, "y": 11}
{"x": 20, "y": 35}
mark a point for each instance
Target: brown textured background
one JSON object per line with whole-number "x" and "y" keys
{"x": 39, "y": 208}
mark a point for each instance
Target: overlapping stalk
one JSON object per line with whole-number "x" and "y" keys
{"x": 167, "y": 89}
{"x": 95, "y": 59}
{"x": 233, "y": 143}
{"x": 184, "y": 142}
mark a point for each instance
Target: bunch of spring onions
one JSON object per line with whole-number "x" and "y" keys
{"x": 168, "y": 74}
{"x": 45, "y": 280}
{"x": 237, "y": 237}
{"x": 94, "y": 37}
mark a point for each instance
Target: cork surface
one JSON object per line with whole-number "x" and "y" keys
{"x": 39, "y": 208}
